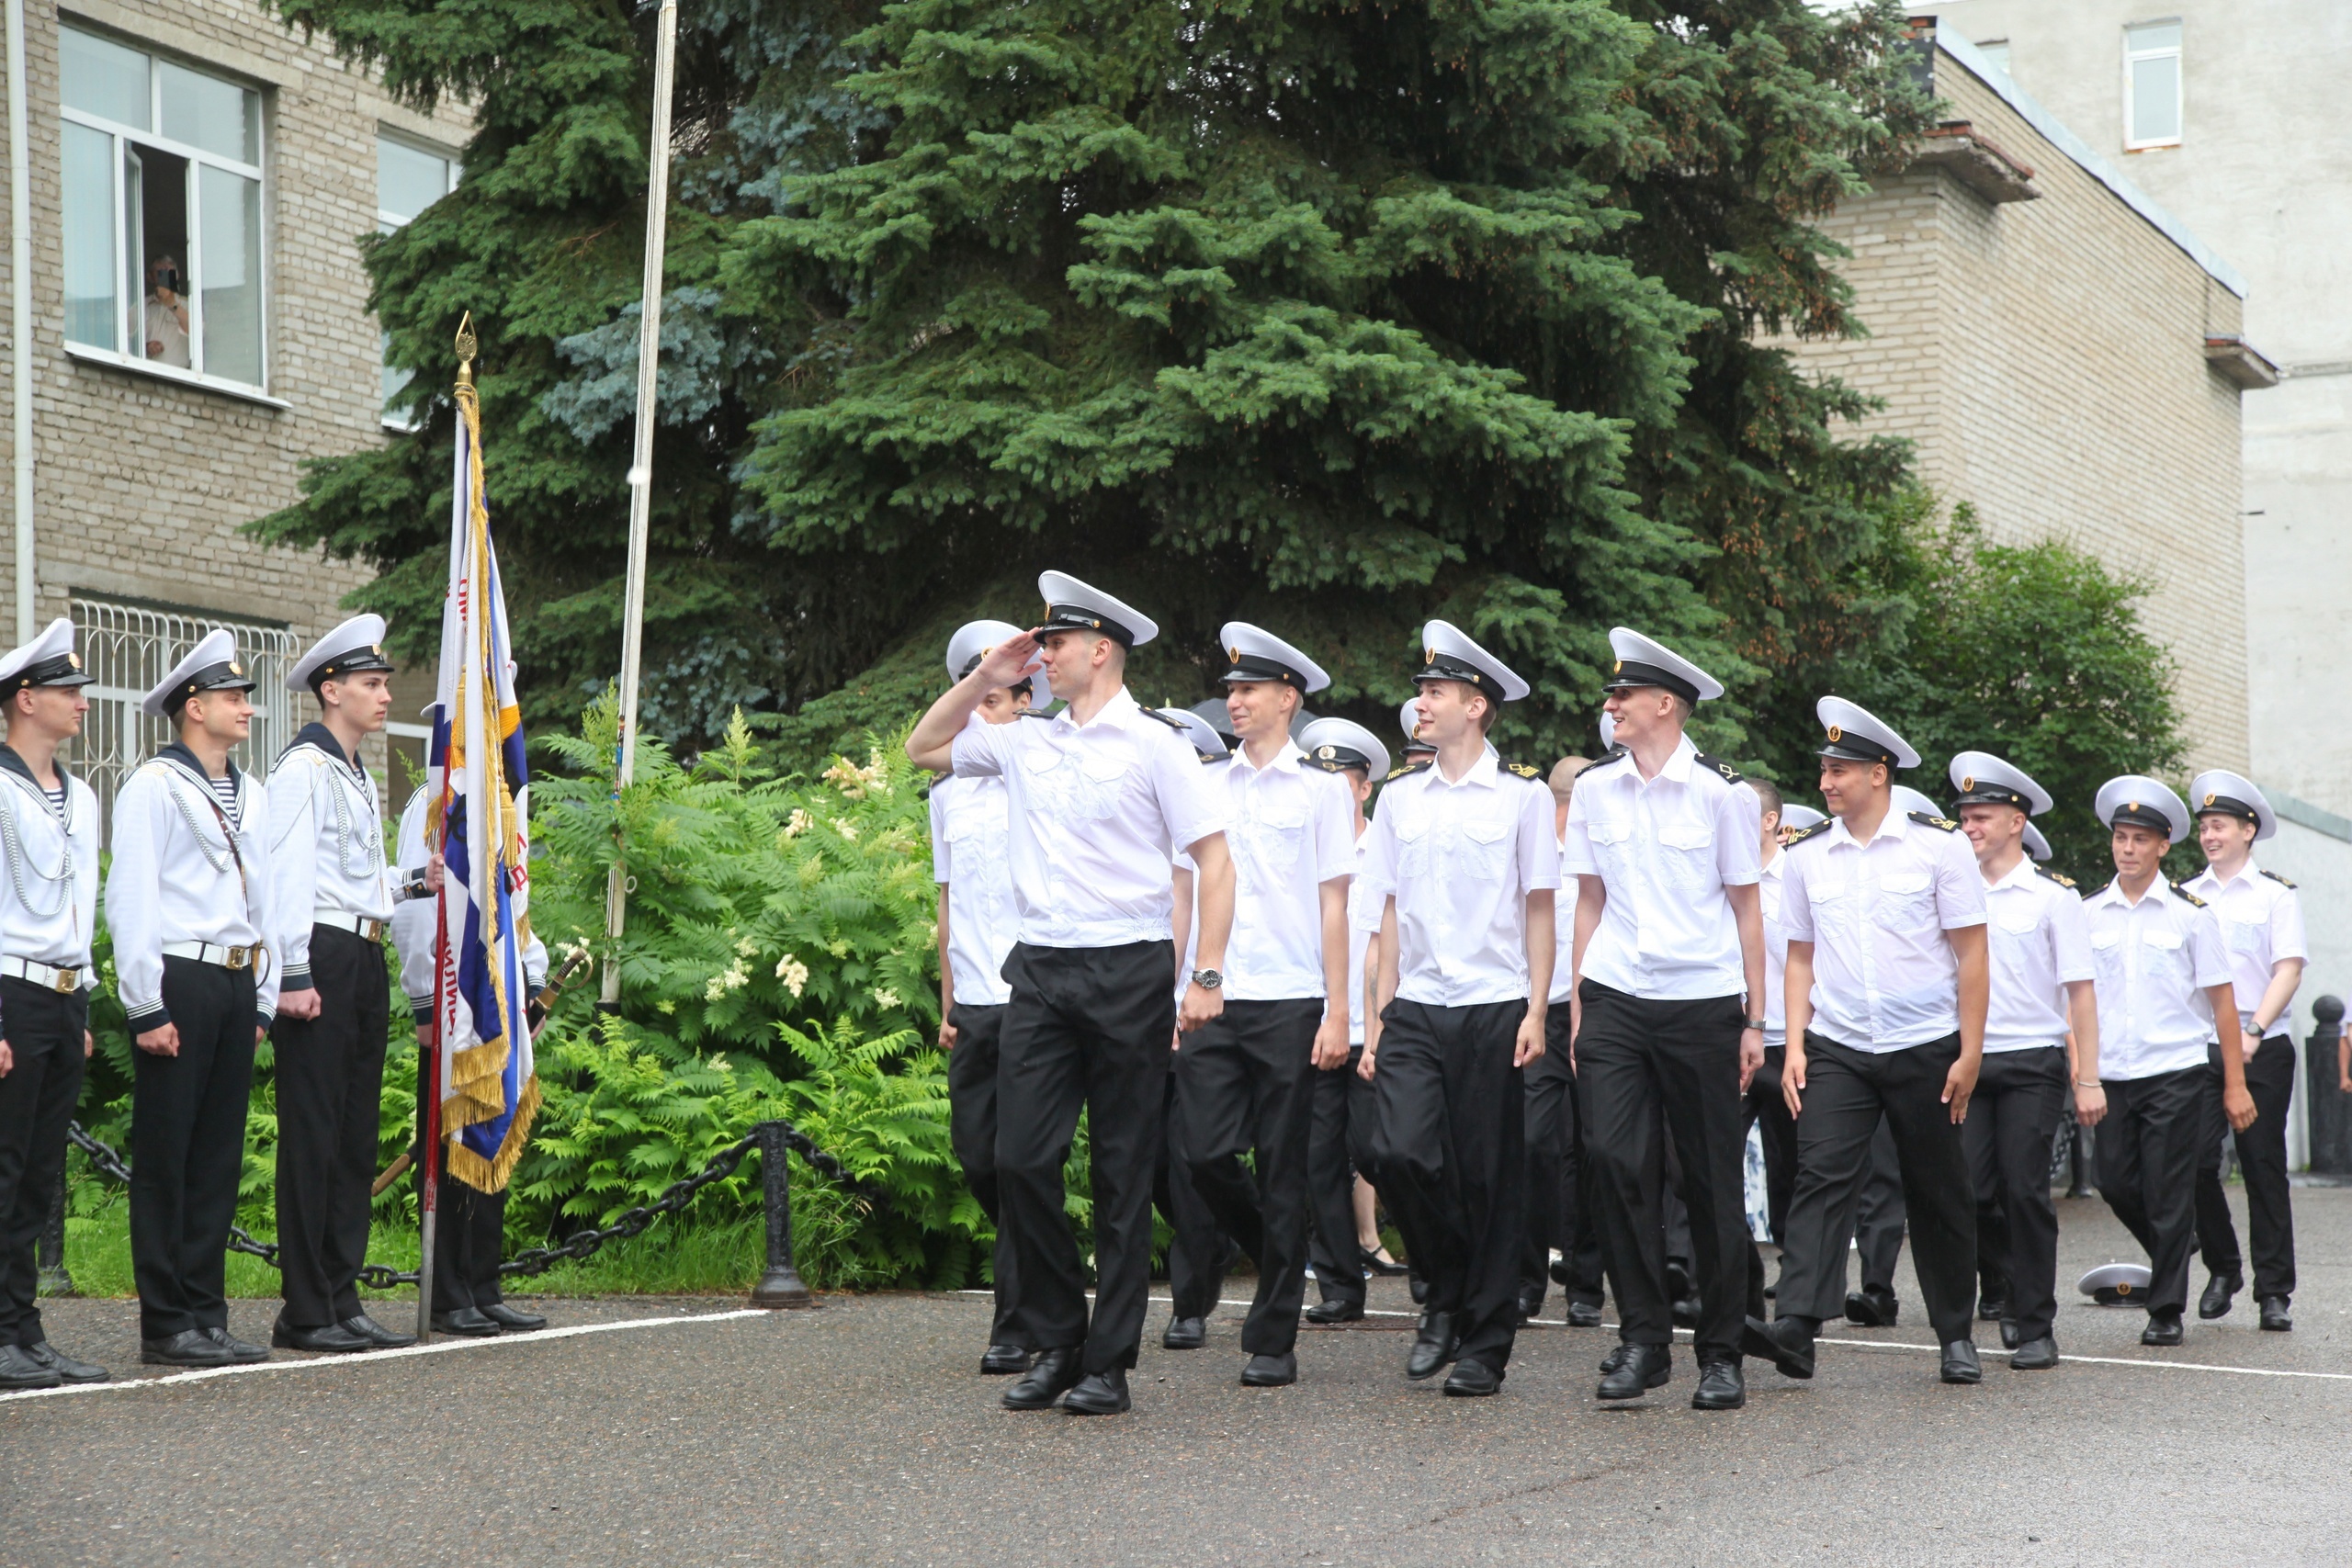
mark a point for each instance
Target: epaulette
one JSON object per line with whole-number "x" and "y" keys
{"x": 1041, "y": 713}
{"x": 1527, "y": 770}
{"x": 2059, "y": 877}
{"x": 2279, "y": 879}
{"x": 1175, "y": 724}
{"x": 1802, "y": 834}
{"x": 1403, "y": 769}
{"x": 1730, "y": 774}
{"x": 2185, "y": 893}
{"x": 1615, "y": 754}
{"x": 1927, "y": 821}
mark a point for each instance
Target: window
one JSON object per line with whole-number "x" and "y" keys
{"x": 408, "y": 180}
{"x": 163, "y": 214}
{"x": 2152, "y": 85}
{"x": 1995, "y": 51}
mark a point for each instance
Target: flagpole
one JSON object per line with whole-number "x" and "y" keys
{"x": 640, "y": 473}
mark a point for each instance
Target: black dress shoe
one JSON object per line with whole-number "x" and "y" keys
{"x": 2035, "y": 1355}
{"x": 1330, "y": 1311}
{"x": 1643, "y": 1368}
{"x": 241, "y": 1350}
{"x": 1559, "y": 1272}
{"x": 1387, "y": 1267}
{"x": 2009, "y": 1334}
{"x": 1784, "y": 1342}
{"x": 2215, "y": 1301}
{"x": 1686, "y": 1313}
{"x": 1005, "y": 1360}
{"x": 1721, "y": 1386}
{"x": 1992, "y": 1306}
{"x": 1185, "y": 1333}
{"x": 1100, "y": 1393}
{"x": 2163, "y": 1329}
{"x": 1584, "y": 1315}
{"x": 376, "y": 1333}
{"x": 1054, "y": 1373}
{"x": 467, "y": 1323}
{"x": 334, "y": 1340}
{"x": 513, "y": 1320}
{"x": 1434, "y": 1347}
{"x": 20, "y": 1369}
{"x": 1959, "y": 1363}
{"x": 1615, "y": 1358}
{"x": 1270, "y": 1371}
{"x": 1872, "y": 1307}
{"x": 65, "y": 1366}
{"x": 2275, "y": 1315}
{"x": 1419, "y": 1289}
{"x": 188, "y": 1348}
{"x": 1472, "y": 1380}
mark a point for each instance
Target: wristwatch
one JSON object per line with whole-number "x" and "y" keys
{"x": 1208, "y": 979}
{"x": 1757, "y": 1025}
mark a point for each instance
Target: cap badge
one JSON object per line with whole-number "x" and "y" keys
{"x": 74, "y": 659}
{"x": 235, "y": 668}
{"x": 2211, "y": 796}
{"x": 2130, "y": 805}
{"x": 1428, "y": 656}
{"x": 1836, "y": 735}
{"x": 1969, "y": 782}
{"x": 1326, "y": 752}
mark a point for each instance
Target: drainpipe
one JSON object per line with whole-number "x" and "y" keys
{"x": 20, "y": 317}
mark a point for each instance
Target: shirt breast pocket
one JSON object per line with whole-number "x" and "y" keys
{"x": 1687, "y": 853}
{"x": 1278, "y": 836}
{"x": 2164, "y": 952}
{"x": 2245, "y": 936}
{"x": 1102, "y": 780}
{"x": 1485, "y": 848}
{"x": 1907, "y": 901}
{"x": 1412, "y": 845}
{"x": 2107, "y": 955}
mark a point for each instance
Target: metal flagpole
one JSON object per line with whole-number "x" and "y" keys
{"x": 640, "y": 473}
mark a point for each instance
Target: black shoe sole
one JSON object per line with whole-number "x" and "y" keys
{"x": 1248, "y": 1381}
{"x": 1459, "y": 1390}
{"x": 26, "y": 1385}
{"x": 1705, "y": 1402}
{"x": 1963, "y": 1378}
{"x": 1075, "y": 1408}
{"x": 1656, "y": 1377}
{"x": 1764, "y": 1347}
{"x": 1047, "y": 1404}
{"x": 1429, "y": 1371}
{"x": 189, "y": 1363}
{"x": 1354, "y": 1314}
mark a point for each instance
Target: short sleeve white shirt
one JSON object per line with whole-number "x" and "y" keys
{"x": 1460, "y": 857}
{"x": 971, "y": 831}
{"x": 1290, "y": 828}
{"x": 1363, "y": 929}
{"x": 1099, "y": 811}
{"x": 2151, "y": 963}
{"x": 1563, "y": 943}
{"x": 1771, "y": 886}
{"x": 2039, "y": 942}
{"x": 1664, "y": 849}
{"x": 1884, "y": 976}
{"x": 2262, "y": 922}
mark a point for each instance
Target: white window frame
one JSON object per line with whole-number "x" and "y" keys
{"x": 2132, "y": 56}
{"x": 120, "y": 356}
{"x": 386, "y": 222}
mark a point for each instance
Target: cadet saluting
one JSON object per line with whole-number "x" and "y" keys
{"x": 1102, "y": 795}
{"x": 187, "y": 899}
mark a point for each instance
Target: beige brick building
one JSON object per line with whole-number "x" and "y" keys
{"x": 2068, "y": 359}
{"x": 196, "y": 143}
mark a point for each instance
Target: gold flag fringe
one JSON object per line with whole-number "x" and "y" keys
{"x": 491, "y": 1175}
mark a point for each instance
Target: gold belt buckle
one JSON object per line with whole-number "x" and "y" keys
{"x": 371, "y": 930}
{"x": 238, "y": 957}
{"x": 67, "y": 980}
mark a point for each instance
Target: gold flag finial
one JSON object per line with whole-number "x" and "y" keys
{"x": 466, "y": 350}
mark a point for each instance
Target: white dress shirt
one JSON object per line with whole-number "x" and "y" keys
{"x": 1664, "y": 849}
{"x": 1460, "y": 857}
{"x": 2262, "y": 922}
{"x": 971, "y": 839}
{"x": 1290, "y": 828}
{"x": 326, "y": 847}
{"x": 177, "y": 877}
{"x": 49, "y": 878}
{"x": 1884, "y": 976}
{"x": 1099, "y": 811}
{"x": 1770, "y": 888}
{"x": 2151, "y": 963}
{"x": 2039, "y": 941}
{"x": 1363, "y": 930}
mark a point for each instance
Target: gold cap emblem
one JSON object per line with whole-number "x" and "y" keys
{"x": 2130, "y": 805}
{"x": 235, "y": 668}
{"x": 1326, "y": 752}
{"x": 74, "y": 659}
{"x": 1836, "y": 735}
{"x": 1428, "y": 656}
{"x": 1968, "y": 782}
{"x": 1236, "y": 651}
{"x": 1618, "y": 668}
{"x": 2211, "y": 796}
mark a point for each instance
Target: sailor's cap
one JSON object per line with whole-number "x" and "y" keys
{"x": 1408, "y": 718}
{"x": 1645, "y": 661}
{"x": 1201, "y": 733}
{"x": 1608, "y": 733}
{"x": 1332, "y": 744}
{"x": 2036, "y": 845}
{"x": 1449, "y": 654}
{"x": 1795, "y": 817}
{"x": 2218, "y": 790}
{"x": 1260, "y": 655}
{"x": 2117, "y": 1284}
{"x": 1854, "y": 734}
{"x": 1909, "y": 799}
{"x": 48, "y": 661}
{"x": 2137, "y": 801}
{"x": 1983, "y": 779}
{"x": 971, "y": 644}
{"x": 211, "y": 666}
{"x": 1075, "y": 606}
{"x": 353, "y": 647}
{"x": 1213, "y": 711}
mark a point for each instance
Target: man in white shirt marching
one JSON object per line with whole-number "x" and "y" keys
{"x": 1102, "y": 795}
{"x": 2262, "y": 929}
{"x": 1669, "y": 949}
{"x": 1464, "y": 862}
{"x": 971, "y": 828}
{"x": 1245, "y": 1080}
{"x": 1765, "y": 1107}
{"x": 49, "y": 896}
{"x": 1886, "y": 995}
{"x": 330, "y": 897}
{"x": 2163, "y": 985}
{"x": 187, "y": 899}
{"x": 2041, "y": 989}
{"x": 1559, "y": 1182}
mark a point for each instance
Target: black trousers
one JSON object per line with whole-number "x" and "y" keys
{"x": 1338, "y": 1148}
{"x": 971, "y": 1131}
{"x": 1197, "y": 1250}
{"x": 330, "y": 1088}
{"x": 1452, "y": 1169}
{"x": 1559, "y": 1188}
{"x": 1847, "y": 1095}
{"x": 1088, "y": 1029}
{"x": 469, "y": 1235}
{"x": 187, "y": 1147}
{"x": 2147, "y": 1172}
{"x": 1881, "y": 1216}
{"x": 1246, "y": 1084}
{"x": 2012, "y": 1119}
{"x": 1646, "y": 1068}
{"x": 44, "y": 1028}
{"x": 2261, "y": 1157}
{"x": 1766, "y": 1110}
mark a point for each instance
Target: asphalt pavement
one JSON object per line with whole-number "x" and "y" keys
{"x": 687, "y": 1432}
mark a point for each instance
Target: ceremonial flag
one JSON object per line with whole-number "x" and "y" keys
{"x": 488, "y": 1091}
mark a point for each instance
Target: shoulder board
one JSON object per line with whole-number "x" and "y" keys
{"x": 1615, "y": 754}
{"x": 1403, "y": 770}
{"x": 1925, "y": 820}
{"x": 1148, "y": 713}
{"x": 1802, "y": 834}
{"x": 1527, "y": 770}
{"x": 2279, "y": 879}
{"x": 1040, "y": 713}
{"x": 1730, "y": 774}
{"x": 2185, "y": 893}
{"x": 2059, "y": 877}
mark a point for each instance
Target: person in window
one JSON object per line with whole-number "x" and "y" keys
{"x": 166, "y": 331}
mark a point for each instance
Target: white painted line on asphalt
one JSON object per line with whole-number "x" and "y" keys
{"x": 373, "y": 1358}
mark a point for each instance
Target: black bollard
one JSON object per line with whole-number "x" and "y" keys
{"x": 780, "y": 1286}
{"x": 49, "y": 1249}
{"x": 2329, "y": 1108}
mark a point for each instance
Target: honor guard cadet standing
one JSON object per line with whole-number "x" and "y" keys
{"x": 1339, "y": 1139}
{"x": 2163, "y": 984}
{"x": 1245, "y": 1080}
{"x": 1559, "y": 1184}
{"x": 1464, "y": 862}
{"x": 1886, "y": 994}
{"x": 330, "y": 896}
{"x": 2262, "y": 929}
{"x": 2041, "y": 987}
{"x": 1103, "y": 797}
{"x": 971, "y": 861}
{"x": 49, "y": 896}
{"x": 1669, "y": 948}
{"x": 187, "y": 899}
